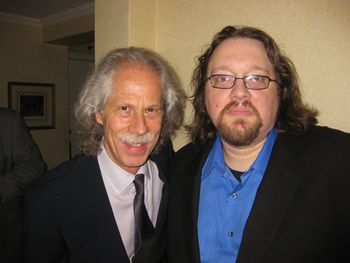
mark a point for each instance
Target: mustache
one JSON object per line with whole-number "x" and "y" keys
{"x": 236, "y": 103}
{"x": 136, "y": 139}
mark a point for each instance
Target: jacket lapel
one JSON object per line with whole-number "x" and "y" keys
{"x": 151, "y": 250}
{"x": 190, "y": 200}
{"x": 162, "y": 159}
{"x": 276, "y": 190}
{"x": 105, "y": 231}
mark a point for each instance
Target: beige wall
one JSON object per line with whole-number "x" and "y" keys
{"x": 121, "y": 23}
{"x": 24, "y": 58}
{"x": 68, "y": 28}
{"x": 315, "y": 34}
{"x": 111, "y": 25}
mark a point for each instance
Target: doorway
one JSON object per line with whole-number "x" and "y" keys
{"x": 80, "y": 66}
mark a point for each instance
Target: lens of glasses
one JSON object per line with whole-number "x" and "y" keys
{"x": 222, "y": 81}
{"x": 254, "y": 82}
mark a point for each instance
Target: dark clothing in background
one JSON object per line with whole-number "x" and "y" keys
{"x": 20, "y": 165}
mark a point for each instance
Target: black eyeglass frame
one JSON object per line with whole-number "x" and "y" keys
{"x": 244, "y": 80}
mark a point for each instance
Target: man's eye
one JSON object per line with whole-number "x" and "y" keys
{"x": 152, "y": 110}
{"x": 223, "y": 78}
{"x": 124, "y": 108}
{"x": 255, "y": 78}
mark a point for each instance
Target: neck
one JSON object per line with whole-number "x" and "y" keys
{"x": 241, "y": 158}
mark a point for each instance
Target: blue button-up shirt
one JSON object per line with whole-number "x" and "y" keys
{"x": 225, "y": 203}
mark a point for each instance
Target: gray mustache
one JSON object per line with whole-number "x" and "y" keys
{"x": 136, "y": 139}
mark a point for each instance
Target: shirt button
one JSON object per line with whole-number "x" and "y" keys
{"x": 234, "y": 195}
{"x": 230, "y": 234}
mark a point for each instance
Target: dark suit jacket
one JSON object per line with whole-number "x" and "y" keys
{"x": 301, "y": 212}
{"x": 68, "y": 217}
{"x": 20, "y": 165}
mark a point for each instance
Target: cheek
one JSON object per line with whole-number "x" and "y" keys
{"x": 115, "y": 125}
{"x": 155, "y": 126}
{"x": 269, "y": 108}
{"x": 215, "y": 104}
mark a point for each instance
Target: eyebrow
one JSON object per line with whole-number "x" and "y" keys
{"x": 254, "y": 67}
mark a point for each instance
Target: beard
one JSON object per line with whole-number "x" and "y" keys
{"x": 239, "y": 131}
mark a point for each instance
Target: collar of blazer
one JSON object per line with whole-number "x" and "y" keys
{"x": 280, "y": 181}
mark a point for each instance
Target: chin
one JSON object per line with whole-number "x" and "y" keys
{"x": 137, "y": 162}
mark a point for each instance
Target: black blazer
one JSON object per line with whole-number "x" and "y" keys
{"x": 20, "y": 165}
{"x": 68, "y": 217}
{"x": 301, "y": 212}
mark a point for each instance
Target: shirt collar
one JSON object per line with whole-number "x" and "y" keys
{"x": 117, "y": 177}
{"x": 263, "y": 158}
{"x": 216, "y": 157}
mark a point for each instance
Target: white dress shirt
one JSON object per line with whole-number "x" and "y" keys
{"x": 121, "y": 192}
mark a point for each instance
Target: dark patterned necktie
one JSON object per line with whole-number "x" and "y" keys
{"x": 143, "y": 225}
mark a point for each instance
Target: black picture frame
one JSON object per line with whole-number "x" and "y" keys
{"x": 35, "y": 102}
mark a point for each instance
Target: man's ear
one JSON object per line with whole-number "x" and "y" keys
{"x": 99, "y": 118}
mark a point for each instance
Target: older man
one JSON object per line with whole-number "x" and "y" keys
{"x": 260, "y": 183}
{"x": 109, "y": 204}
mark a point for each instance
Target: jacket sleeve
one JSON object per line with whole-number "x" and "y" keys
{"x": 43, "y": 240}
{"x": 21, "y": 162}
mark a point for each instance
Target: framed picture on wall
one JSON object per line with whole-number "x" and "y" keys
{"x": 35, "y": 102}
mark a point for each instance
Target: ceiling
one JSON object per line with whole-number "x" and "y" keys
{"x": 39, "y": 9}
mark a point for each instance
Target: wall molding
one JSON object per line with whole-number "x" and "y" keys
{"x": 23, "y": 20}
{"x": 67, "y": 15}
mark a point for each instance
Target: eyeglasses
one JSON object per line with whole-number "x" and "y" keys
{"x": 253, "y": 82}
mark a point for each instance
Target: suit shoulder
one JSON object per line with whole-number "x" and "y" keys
{"x": 317, "y": 142}
{"x": 162, "y": 156}
{"x": 187, "y": 149}
{"x": 191, "y": 152}
{"x": 327, "y": 130}
{"x": 7, "y": 112}
{"x": 67, "y": 171}
{"x": 8, "y": 116}
{"x": 328, "y": 136}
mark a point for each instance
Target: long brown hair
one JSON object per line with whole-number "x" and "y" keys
{"x": 293, "y": 114}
